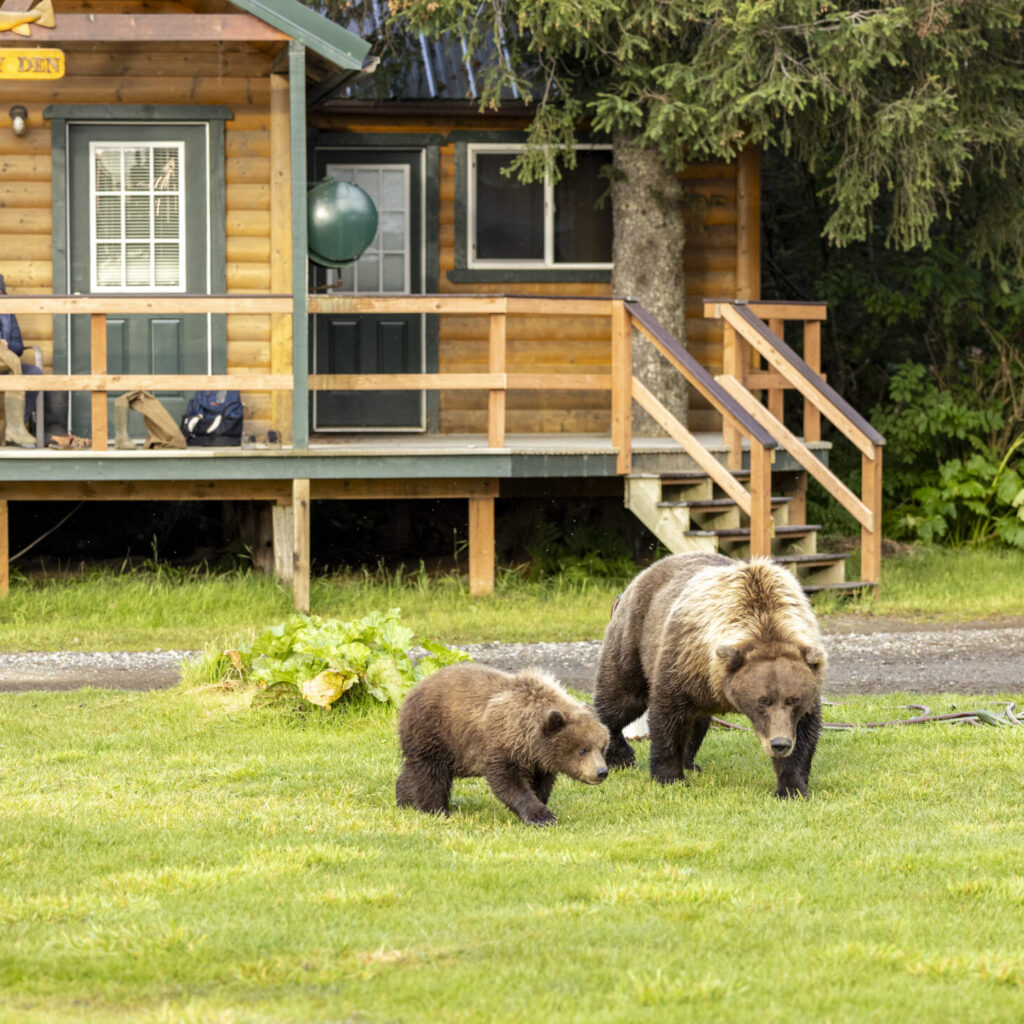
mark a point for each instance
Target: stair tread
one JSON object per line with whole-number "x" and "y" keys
{"x": 688, "y": 476}
{"x": 715, "y": 502}
{"x": 812, "y": 588}
{"x": 744, "y": 531}
{"x": 823, "y": 557}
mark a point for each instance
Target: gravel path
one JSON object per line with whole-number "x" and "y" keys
{"x": 866, "y": 656}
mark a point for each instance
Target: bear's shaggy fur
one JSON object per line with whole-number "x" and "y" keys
{"x": 517, "y": 731}
{"x": 697, "y": 635}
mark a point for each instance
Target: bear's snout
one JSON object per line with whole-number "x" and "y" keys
{"x": 781, "y": 746}
{"x": 602, "y": 774}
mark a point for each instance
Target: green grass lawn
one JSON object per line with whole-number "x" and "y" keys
{"x": 177, "y": 609}
{"x": 180, "y": 856}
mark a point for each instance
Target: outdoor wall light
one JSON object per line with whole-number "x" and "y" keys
{"x": 19, "y": 118}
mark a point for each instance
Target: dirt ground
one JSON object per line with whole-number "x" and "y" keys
{"x": 867, "y": 655}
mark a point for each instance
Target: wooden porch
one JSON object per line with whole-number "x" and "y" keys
{"x": 701, "y": 491}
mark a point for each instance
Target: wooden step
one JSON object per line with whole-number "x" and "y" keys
{"x": 690, "y": 476}
{"x": 711, "y": 503}
{"x": 822, "y": 558}
{"x": 849, "y": 585}
{"x": 738, "y": 533}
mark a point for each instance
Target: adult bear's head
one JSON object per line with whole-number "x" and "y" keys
{"x": 774, "y": 685}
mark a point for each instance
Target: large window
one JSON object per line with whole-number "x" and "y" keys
{"x": 540, "y": 225}
{"x": 137, "y": 216}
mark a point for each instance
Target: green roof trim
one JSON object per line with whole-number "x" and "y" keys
{"x": 332, "y": 42}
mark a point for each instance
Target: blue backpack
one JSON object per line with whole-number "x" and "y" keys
{"x": 213, "y": 418}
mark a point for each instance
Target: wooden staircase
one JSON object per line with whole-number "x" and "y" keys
{"x": 687, "y": 511}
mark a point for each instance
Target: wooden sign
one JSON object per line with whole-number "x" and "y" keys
{"x": 31, "y": 63}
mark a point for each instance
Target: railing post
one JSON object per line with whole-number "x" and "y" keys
{"x": 812, "y": 357}
{"x": 732, "y": 366}
{"x": 622, "y": 402}
{"x": 496, "y": 363}
{"x": 761, "y": 525}
{"x": 98, "y": 365}
{"x": 871, "y": 495}
{"x": 777, "y": 396}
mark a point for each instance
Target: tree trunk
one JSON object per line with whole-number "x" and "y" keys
{"x": 647, "y": 211}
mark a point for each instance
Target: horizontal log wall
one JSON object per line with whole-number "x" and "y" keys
{"x": 235, "y": 75}
{"x": 583, "y": 346}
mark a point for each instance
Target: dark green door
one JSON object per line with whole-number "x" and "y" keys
{"x": 391, "y": 265}
{"x": 139, "y": 222}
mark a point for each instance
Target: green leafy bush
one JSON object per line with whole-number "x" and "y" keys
{"x": 951, "y": 475}
{"x": 325, "y": 661}
{"x": 977, "y": 500}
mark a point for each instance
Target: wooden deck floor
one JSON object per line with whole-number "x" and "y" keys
{"x": 363, "y": 456}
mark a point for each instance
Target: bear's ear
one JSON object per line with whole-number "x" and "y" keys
{"x": 732, "y": 656}
{"x": 555, "y": 721}
{"x": 814, "y": 656}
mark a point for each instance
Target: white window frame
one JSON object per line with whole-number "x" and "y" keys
{"x": 548, "y": 262}
{"x": 336, "y": 280}
{"x": 94, "y": 147}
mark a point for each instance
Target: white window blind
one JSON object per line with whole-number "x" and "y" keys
{"x": 137, "y": 223}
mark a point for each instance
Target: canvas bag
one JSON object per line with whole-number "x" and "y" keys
{"x": 213, "y": 418}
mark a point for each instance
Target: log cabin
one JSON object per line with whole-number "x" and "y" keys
{"x": 158, "y": 156}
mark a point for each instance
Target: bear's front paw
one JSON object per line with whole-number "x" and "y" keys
{"x": 620, "y": 755}
{"x": 667, "y": 777}
{"x": 541, "y": 817}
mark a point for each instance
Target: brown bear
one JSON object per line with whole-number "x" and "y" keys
{"x": 696, "y": 635}
{"x": 518, "y": 731}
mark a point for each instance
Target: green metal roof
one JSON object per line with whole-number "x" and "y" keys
{"x": 332, "y": 42}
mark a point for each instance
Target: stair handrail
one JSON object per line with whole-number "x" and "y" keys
{"x": 756, "y": 502}
{"x": 868, "y": 508}
{"x": 810, "y": 384}
{"x": 695, "y": 374}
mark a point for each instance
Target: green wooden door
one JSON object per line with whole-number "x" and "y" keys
{"x": 391, "y": 265}
{"x": 139, "y": 222}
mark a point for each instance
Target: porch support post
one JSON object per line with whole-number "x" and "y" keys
{"x": 281, "y": 251}
{"x": 871, "y": 540}
{"x": 300, "y": 317}
{"x": 301, "y": 545}
{"x": 622, "y": 390}
{"x": 481, "y": 546}
{"x": 761, "y": 525}
{"x": 5, "y": 549}
{"x": 283, "y": 526}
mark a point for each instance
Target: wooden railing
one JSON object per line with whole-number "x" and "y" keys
{"x": 747, "y": 334}
{"x": 743, "y": 417}
{"x": 98, "y": 382}
{"x": 624, "y": 387}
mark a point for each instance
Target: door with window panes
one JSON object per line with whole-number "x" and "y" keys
{"x": 139, "y": 223}
{"x": 391, "y": 265}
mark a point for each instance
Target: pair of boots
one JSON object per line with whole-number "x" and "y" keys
{"x": 15, "y": 432}
{"x": 161, "y": 430}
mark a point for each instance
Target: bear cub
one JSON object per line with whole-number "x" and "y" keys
{"x": 518, "y": 731}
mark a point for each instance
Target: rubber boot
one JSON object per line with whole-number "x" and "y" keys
{"x": 122, "y": 439}
{"x": 14, "y": 421}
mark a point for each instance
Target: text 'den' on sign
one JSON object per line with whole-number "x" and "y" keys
{"x": 31, "y": 62}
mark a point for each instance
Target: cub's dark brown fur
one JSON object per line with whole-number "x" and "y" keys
{"x": 697, "y": 635}
{"x": 517, "y": 731}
